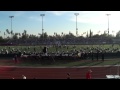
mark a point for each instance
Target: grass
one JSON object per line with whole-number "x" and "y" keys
{"x": 60, "y": 64}
{"x": 90, "y": 63}
{"x": 53, "y": 49}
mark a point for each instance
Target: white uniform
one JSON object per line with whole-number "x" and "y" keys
{"x": 24, "y": 77}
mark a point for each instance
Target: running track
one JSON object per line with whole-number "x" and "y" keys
{"x": 7, "y": 72}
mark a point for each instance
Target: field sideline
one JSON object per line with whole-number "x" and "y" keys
{"x": 79, "y": 63}
{"x": 12, "y": 70}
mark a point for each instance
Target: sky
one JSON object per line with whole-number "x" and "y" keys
{"x": 60, "y": 21}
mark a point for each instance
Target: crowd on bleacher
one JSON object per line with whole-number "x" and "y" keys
{"x": 70, "y": 41}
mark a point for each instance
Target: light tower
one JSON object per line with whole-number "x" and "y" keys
{"x": 11, "y": 22}
{"x": 42, "y": 24}
{"x": 108, "y": 23}
{"x": 76, "y": 14}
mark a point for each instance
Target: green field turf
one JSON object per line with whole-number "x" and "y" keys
{"x": 53, "y": 49}
{"x": 10, "y": 62}
{"x": 111, "y": 61}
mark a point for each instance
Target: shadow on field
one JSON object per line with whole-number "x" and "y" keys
{"x": 97, "y": 63}
{"x": 85, "y": 63}
{"x": 89, "y": 63}
{"x": 112, "y": 65}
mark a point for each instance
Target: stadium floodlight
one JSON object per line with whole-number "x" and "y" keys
{"x": 42, "y": 23}
{"x": 11, "y": 21}
{"x": 76, "y": 14}
{"x": 108, "y": 23}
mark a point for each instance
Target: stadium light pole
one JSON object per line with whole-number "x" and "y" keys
{"x": 108, "y": 23}
{"x": 42, "y": 24}
{"x": 76, "y": 14}
{"x": 11, "y": 21}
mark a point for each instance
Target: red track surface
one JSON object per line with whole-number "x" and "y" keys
{"x": 55, "y": 73}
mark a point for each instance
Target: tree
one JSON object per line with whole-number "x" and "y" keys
{"x": 15, "y": 36}
{"x": 19, "y": 35}
{"x": 45, "y": 35}
{"x": 62, "y": 34}
{"x": 39, "y": 34}
{"x": 71, "y": 35}
{"x": 54, "y": 33}
{"x": 91, "y": 33}
{"x": 118, "y": 34}
{"x": 4, "y": 35}
{"x": 87, "y": 34}
{"x": 96, "y": 36}
{"x": 104, "y": 35}
{"x": 24, "y": 35}
{"x": 11, "y": 33}
{"x": 1, "y": 39}
{"x": 7, "y": 31}
{"x": 25, "y": 32}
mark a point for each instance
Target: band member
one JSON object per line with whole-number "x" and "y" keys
{"x": 45, "y": 50}
{"x": 16, "y": 59}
